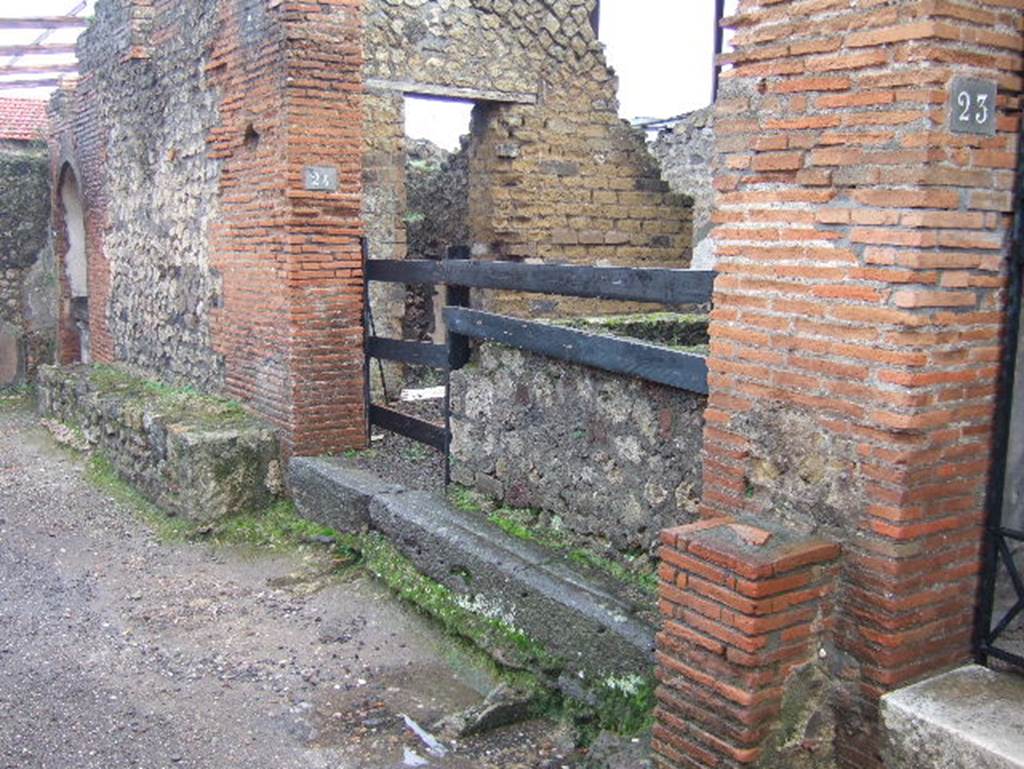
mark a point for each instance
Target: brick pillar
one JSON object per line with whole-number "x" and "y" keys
{"x": 290, "y": 329}
{"x": 324, "y": 272}
{"x": 746, "y": 606}
{"x": 858, "y": 314}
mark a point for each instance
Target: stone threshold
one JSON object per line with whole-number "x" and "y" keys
{"x": 970, "y": 718}
{"x": 577, "y": 618}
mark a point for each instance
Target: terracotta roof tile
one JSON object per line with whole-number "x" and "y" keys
{"x": 22, "y": 119}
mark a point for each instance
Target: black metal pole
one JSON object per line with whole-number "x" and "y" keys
{"x": 719, "y": 46}
{"x": 1001, "y": 429}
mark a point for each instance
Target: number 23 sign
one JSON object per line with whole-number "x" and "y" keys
{"x": 973, "y": 106}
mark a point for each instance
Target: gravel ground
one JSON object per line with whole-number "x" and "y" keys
{"x": 394, "y": 456}
{"x": 118, "y": 651}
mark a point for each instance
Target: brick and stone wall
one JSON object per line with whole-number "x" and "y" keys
{"x": 209, "y": 263}
{"x": 554, "y": 173}
{"x": 857, "y": 327}
{"x": 27, "y": 280}
{"x": 615, "y": 459}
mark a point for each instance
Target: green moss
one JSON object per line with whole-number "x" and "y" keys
{"x": 279, "y": 527}
{"x": 101, "y": 473}
{"x": 455, "y": 614}
{"x": 527, "y": 524}
{"x": 647, "y": 581}
{"x": 683, "y": 332}
{"x": 15, "y": 398}
{"x": 465, "y": 499}
{"x": 181, "y": 404}
{"x": 622, "y": 704}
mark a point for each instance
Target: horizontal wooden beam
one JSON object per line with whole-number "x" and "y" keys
{"x": 661, "y": 286}
{"x": 10, "y": 85}
{"x": 449, "y": 93}
{"x": 621, "y": 356}
{"x": 418, "y": 430}
{"x": 43, "y": 22}
{"x": 39, "y": 69}
{"x": 410, "y": 271}
{"x": 37, "y": 49}
{"x": 415, "y": 353}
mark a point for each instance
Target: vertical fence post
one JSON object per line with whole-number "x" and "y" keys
{"x": 365, "y": 247}
{"x": 458, "y": 356}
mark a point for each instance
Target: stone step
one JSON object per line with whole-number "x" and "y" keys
{"x": 970, "y": 718}
{"x": 578, "y": 618}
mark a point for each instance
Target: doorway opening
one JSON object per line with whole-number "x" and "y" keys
{"x": 76, "y": 272}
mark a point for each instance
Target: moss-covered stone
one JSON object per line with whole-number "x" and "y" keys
{"x": 537, "y": 526}
{"x": 24, "y": 205}
{"x": 198, "y": 456}
{"x": 669, "y": 329}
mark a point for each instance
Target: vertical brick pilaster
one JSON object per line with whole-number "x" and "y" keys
{"x": 290, "y": 329}
{"x": 859, "y": 309}
{"x": 324, "y": 272}
{"x": 744, "y": 607}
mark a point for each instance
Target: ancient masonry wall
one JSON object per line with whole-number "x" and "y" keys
{"x": 615, "y": 459}
{"x": 209, "y": 263}
{"x": 554, "y": 173}
{"x": 686, "y": 153}
{"x": 27, "y": 279}
{"x": 854, "y": 350}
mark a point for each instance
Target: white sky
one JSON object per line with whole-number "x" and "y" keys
{"x": 660, "y": 49}
{"x": 27, "y": 36}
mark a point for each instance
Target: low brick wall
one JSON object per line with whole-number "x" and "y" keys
{"x": 198, "y": 457}
{"x": 745, "y": 657}
{"x": 615, "y": 458}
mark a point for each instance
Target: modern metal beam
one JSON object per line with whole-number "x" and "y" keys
{"x": 43, "y": 22}
{"x": 9, "y": 85}
{"x": 39, "y": 69}
{"x": 37, "y": 50}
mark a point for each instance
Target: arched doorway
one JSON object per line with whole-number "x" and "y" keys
{"x": 76, "y": 271}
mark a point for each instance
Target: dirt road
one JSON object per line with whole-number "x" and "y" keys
{"x": 119, "y": 651}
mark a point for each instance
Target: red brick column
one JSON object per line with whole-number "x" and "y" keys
{"x": 745, "y": 607}
{"x": 859, "y": 310}
{"x": 290, "y": 329}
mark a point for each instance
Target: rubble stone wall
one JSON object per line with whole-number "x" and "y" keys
{"x": 27, "y": 281}
{"x": 614, "y": 458}
{"x": 686, "y": 153}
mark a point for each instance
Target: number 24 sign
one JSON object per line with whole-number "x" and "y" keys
{"x": 973, "y": 106}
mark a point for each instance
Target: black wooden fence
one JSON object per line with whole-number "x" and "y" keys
{"x": 623, "y": 356}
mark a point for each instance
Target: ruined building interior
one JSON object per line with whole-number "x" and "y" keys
{"x": 752, "y": 527}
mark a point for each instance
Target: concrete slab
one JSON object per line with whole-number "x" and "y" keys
{"x": 970, "y": 718}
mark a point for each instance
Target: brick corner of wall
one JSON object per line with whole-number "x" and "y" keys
{"x": 745, "y": 604}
